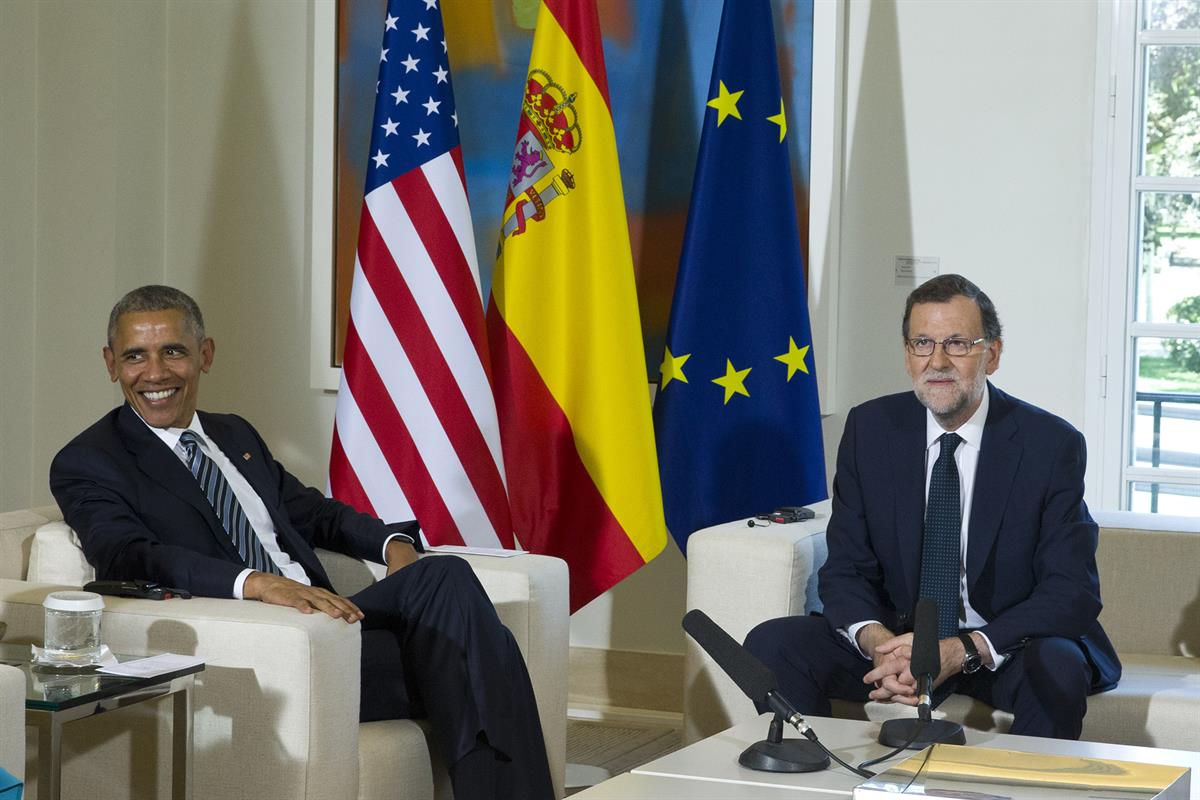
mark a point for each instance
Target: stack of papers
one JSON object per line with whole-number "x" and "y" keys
{"x": 152, "y": 666}
{"x": 463, "y": 550}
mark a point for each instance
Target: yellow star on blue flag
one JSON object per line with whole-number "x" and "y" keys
{"x": 794, "y": 358}
{"x": 671, "y": 368}
{"x": 780, "y": 119}
{"x": 733, "y": 381}
{"x": 725, "y": 103}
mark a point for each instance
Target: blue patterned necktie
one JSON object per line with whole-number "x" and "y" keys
{"x": 224, "y": 502}
{"x": 941, "y": 554}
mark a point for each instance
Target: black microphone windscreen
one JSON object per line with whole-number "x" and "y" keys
{"x": 926, "y": 655}
{"x": 752, "y": 676}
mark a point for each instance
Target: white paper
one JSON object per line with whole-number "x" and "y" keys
{"x": 915, "y": 270}
{"x": 463, "y": 550}
{"x": 152, "y": 666}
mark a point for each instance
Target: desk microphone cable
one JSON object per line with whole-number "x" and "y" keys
{"x": 921, "y": 726}
{"x": 861, "y": 770}
{"x": 797, "y": 722}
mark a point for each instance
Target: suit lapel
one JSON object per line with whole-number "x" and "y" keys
{"x": 907, "y": 452}
{"x": 999, "y": 457}
{"x": 166, "y": 469}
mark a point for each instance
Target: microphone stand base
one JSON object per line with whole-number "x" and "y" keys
{"x": 789, "y": 755}
{"x": 895, "y": 732}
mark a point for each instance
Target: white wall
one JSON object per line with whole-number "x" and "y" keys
{"x": 968, "y": 137}
{"x": 237, "y": 117}
{"x": 17, "y": 253}
{"x": 153, "y": 142}
{"x": 170, "y": 142}
{"x": 81, "y": 108}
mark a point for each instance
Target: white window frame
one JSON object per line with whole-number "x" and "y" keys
{"x": 322, "y": 136}
{"x": 1115, "y": 242}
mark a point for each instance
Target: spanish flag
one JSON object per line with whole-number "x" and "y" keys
{"x": 570, "y": 377}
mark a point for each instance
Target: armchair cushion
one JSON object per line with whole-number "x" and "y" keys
{"x": 16, "y": 537}
{"x": 57, "y": 556}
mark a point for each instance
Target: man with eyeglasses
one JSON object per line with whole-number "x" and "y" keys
{"x": 958, "y": 493}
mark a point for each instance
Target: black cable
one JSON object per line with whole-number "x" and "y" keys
{"x": 861, "y": 770}
{"x": 919, "y": 770}
{"x": 922, "y": 724}
{"x": 811, "y": 735}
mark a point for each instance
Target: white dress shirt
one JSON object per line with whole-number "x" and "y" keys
{"x": 256, "y": 511}
{"x": 966, "y": 458}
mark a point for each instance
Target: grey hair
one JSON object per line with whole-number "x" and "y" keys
{"x": 157, "y": 298}
{"x": 944, "y": 288}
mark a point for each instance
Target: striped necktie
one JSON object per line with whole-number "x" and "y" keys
{"x": 941, "y": 554}
{"x": 224, "y": 502}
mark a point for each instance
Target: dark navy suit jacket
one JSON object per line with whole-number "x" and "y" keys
{"x": 1031, "y": 544}
{"x": 140, "y": 514}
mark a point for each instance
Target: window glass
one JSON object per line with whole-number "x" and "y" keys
{"x": 1166, "y": 418}
{"x": 1171, "y": 15}
{"x": 1168, "y": 288}
{"x": 1175, "y": 499}
{"x": 1152, "y": 313}
{"x": 1171, "y": 141}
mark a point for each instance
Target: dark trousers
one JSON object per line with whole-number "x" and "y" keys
{"x": 1044, "y": 684}
{"x": 433, "y": 646}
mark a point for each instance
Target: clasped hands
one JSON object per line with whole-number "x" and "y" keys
{"x": 280, "y": 591}
{"x": 892, "y": 675}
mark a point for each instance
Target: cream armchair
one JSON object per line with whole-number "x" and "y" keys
{"x": 1147, "y": 564}
{"x": 12, "y": 721}
{"x": 276, "y": 709}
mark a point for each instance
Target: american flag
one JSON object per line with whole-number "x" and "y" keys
{"x": 416, "y": 432}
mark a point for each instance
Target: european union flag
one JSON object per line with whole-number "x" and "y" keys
{"x": 737, "y": 421}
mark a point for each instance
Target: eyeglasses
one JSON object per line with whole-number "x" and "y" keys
{"x": 954, "y": 346}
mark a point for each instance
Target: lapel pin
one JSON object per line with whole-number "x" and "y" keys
{"x": 245, "y": 456}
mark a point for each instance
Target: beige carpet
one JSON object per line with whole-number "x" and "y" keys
{"x": 618, "y": 747}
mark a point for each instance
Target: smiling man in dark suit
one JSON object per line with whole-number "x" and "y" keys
{"x": 959, "y": 493}
{"x": 157, "y": 490}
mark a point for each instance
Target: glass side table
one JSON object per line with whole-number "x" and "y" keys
{"x": 52, "y": 699}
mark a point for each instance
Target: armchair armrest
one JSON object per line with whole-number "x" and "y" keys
{"x": 740, "y": 577}
{"x": 16, "y": 537}
{"x": 276, "y": 709}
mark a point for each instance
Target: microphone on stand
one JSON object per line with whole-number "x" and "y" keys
{"x": 926, "y": 663}
{"x": 758, "y": 682}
